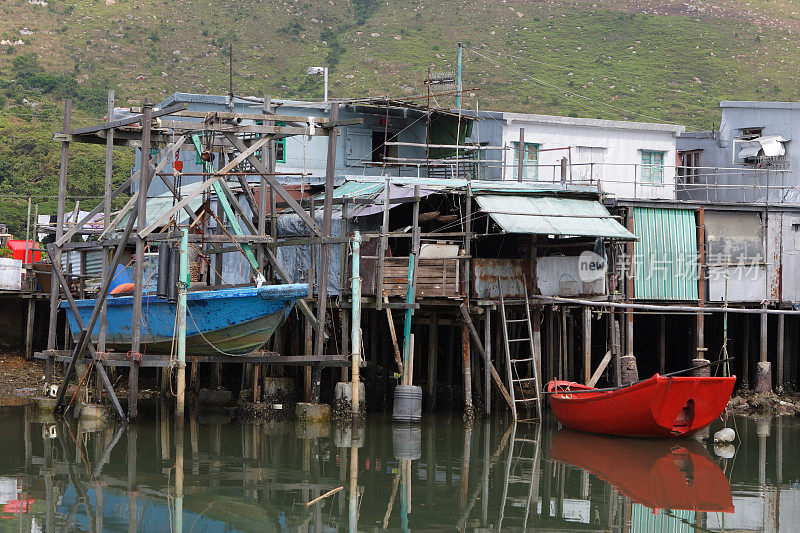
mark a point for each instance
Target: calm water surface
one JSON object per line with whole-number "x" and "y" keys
{"x": 225, "y": 476}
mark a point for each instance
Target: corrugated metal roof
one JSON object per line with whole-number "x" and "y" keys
{"x": 665, "y": 256}
{"x": 552, "y": 216}
{"x": 482, "y": 186}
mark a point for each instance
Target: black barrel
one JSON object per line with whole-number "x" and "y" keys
{"x": 163, "y": 271}
{"x": 407, "y": 403}
{"x": 174, "y": 265}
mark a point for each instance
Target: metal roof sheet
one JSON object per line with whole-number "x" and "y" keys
{"x": 665, "y": 257}
{"x": 552, "y": 216}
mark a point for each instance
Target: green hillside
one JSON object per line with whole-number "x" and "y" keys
{"x": 669, "y": 61}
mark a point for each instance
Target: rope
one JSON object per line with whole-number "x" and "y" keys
{"x": 211, "y": 344}
{"x": 88, "y": 369}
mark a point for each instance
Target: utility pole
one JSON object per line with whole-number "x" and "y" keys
{"x": 458, "y": 77}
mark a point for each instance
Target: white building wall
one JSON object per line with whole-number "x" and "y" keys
{"x": 618, "y": 174}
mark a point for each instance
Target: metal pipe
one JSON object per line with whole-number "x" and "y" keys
{"x": 666, "y": 308}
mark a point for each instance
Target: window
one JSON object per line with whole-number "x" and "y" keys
{"x": 530, "y": 162}
{"x": 379, "y": 149}
{"x": 689, "y": 171}
{"x": 280, "y": 146}
{"x": 652, "y": 167}
{"x": 750, "y": 133}
{"x": 588, "y": 163}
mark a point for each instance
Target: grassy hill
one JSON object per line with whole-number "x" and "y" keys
{"x": 639, "y": 60}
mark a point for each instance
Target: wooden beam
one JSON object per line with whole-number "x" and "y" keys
{"x": 279, "y": 189}
{"x": 277, "y": 131}
{"x": 125, "y": 121}
{"x": 327, "y": 215}
{"x": 166, "y": 158}
{"x": 479, "y": 344}
{"x": 587, "y": 343}
{"x": 600, "y": 369}
{"x": 265, "y": 116}
{"x": 393, "y": 333}
{"x": 221, "y": 174}
{"x": 62, "y": 282}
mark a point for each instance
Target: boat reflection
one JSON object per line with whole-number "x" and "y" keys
{"x": 659, "y": 474}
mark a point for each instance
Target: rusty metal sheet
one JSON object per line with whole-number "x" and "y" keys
{"x": 510, "y": 274}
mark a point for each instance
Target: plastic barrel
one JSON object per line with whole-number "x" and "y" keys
{"x": 407, "y": 442}
{"x": 174, "y": 265}
{"x": 163, "y": 271}
{"x": 407, "y": 403}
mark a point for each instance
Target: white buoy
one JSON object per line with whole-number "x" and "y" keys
{"x": 725, "y": 435}
{"x": 725, "y": 451}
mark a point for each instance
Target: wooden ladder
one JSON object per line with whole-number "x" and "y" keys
{"x": 517, "y": 376}
{"x": 521, "y": 483}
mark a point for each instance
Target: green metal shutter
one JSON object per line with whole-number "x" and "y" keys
{"x": 665, "y": 256}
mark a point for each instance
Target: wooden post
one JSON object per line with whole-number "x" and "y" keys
{"x": 571, "y": 351}
{"x": 699, "y": 358}
{"x": 587, "y": 343}
{"x": 563, "y": 372}
{"x": 433, "y": 350}
{"x": 262, "y": 196}
{"x": 763, "y": 369}
{"x": 780, "y": 355}
{"x": 746, "y": 353}
{"x": 465, "y": 354}
{"x": 487, "y": 364}
{"x": 62, "y": 198}
{"x": 616, "y": 344}
{"x": 109, "y": 178}
{"x": 138, "y": 279}
{"x": 662, "y": 343}
{"x": 29, "y": 327}
{"x": 537, "y": 342}
{"x": 133, "y": 484}
{"x": 521, "y": 155}
{"x": 356, "y": 329}
{"x": 630, "y": 291}
{"x": 549, "y": 319}
{"x": 344, "y": 315}
{"x": 383, "y": 245}
{"x": 322, "y": 292}
{"x": 309, "y": 330}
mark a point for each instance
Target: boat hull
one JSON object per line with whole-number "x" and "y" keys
{"x": 661, "y": 406}
{"x": 227, "y": 321}
{"x": 660, "y": 474}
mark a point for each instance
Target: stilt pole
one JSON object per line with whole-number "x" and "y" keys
{"x": 356, "y": 327}
{"x": 138, "y": 279}
{"x": 56, "y": 258}
{"x": 183, "y": 285}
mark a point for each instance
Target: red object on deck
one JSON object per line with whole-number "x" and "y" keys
{"x": 657, "y": 473}
{"x": 17, "y": 248}
{"x": 657, "y": 407}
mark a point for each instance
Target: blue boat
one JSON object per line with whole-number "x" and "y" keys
{"x": 225, "y": 321}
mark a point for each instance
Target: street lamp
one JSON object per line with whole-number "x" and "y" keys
{"x": 320, "y": 71}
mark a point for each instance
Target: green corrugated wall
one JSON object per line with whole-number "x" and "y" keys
{"x": 665, "y": 256}
{"x": 644, "y": 519}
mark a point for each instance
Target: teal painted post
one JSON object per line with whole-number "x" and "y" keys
{"x": 458, "y": 80}
{"x": 355, "y": 334}
{"x": 409, "y": 313}
{"x": 183, "y": 285}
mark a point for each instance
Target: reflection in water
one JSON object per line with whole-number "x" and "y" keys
{"x": 215, "y": 475}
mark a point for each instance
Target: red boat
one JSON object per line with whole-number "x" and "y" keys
{"x": 656, "y": 473}
{"x": 657, "y": 407}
